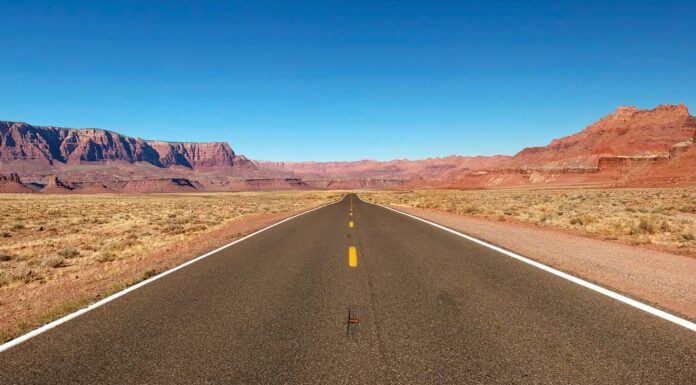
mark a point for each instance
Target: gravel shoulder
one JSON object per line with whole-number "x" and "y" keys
{"x": 663, "y": 279}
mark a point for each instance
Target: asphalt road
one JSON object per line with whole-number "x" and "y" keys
{"x": 429, "y": 308}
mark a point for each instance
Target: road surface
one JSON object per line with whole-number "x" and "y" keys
{"x": 427, "y": 307}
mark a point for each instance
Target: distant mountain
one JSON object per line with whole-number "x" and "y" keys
{"x": 628, "y": 131}
{"x": 50, "y": 145}
{"x": 437, "y": 168}
{"x": 629, "y": 147}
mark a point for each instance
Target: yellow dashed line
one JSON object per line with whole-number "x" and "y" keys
{"x": 350, "y": 224}
{"x": 352, "y": 256}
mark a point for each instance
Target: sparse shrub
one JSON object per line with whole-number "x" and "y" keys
{"x": 582, "y": 220}
{"x": 659, "y": 210}
{"x": 5, "y": 234}
{"x": 18, "y": 226}
{"x": 22, "y": 273}
{"x": 52, "y": 261}
{"x": 105, "y": 256}
{"x": 197, "y": 228}
{"x": 5, "y": 257}
{"x": 69, "y": 253}
{"x": 646, "y": 225}
{"x": 173, "y": 229}
{"x": 29, "y": 275}
{"x": 149, "y": 273}
{"x": 665, "y": 227}
{"x": 544, "y": 218}
{"x": 687, "y": 236}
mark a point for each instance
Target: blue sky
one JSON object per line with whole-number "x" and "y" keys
{"x": 330, "y": 80}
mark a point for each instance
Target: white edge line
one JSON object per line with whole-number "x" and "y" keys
{"x": 619, "y": 297}
{"x": 25, "y": 337}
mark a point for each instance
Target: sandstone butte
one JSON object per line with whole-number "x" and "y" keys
{"x": 629, "y": 147}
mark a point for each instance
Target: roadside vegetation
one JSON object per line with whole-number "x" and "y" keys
{"x": 662, "y": 217}
{"x": 71, "y": 249}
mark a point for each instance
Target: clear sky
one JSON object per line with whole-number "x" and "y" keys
{"x": 330, "y": 80}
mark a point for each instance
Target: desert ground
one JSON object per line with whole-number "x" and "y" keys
{"x": 58, "y": 253}
{"x": 661, "y": 218}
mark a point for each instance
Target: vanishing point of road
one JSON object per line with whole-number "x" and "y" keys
{"x": 426, "y": 307}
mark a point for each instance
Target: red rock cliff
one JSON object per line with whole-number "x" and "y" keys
{"x": 48, "y": 145}
{"x": 628, "y": 131}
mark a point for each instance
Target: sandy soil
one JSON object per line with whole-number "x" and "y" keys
{"x": 663, "y": 279}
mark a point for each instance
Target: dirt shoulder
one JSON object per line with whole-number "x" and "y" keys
{"x": 660, "y": 278}
{"x": 25, "y": 307}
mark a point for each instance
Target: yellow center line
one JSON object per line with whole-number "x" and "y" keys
{"x": 350, "y": 224}
{"x": 352, "y": 256}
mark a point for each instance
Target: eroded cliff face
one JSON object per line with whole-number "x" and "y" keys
{"x": 628, "y": 131}
{"x": 51, "y": 145}
{"x": 195, "y": 155}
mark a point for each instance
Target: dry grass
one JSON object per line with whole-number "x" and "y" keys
{"x": 95, "y": 240}
{"x": 42, "y": 237}
{"x": 662, "y": 217}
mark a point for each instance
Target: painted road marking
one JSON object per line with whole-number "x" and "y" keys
{"x": 350, "y": 224}
{"x": 352, "y": 256}
{"x": 123, "y": 292}
{"x": 619, "y": 297}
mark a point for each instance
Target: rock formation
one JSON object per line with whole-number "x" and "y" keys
{"x": 56, "y": 186}
{"x": 13, "y": 184}
{"x": 626, "y": 132}
{"x": 51, "y": 145}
